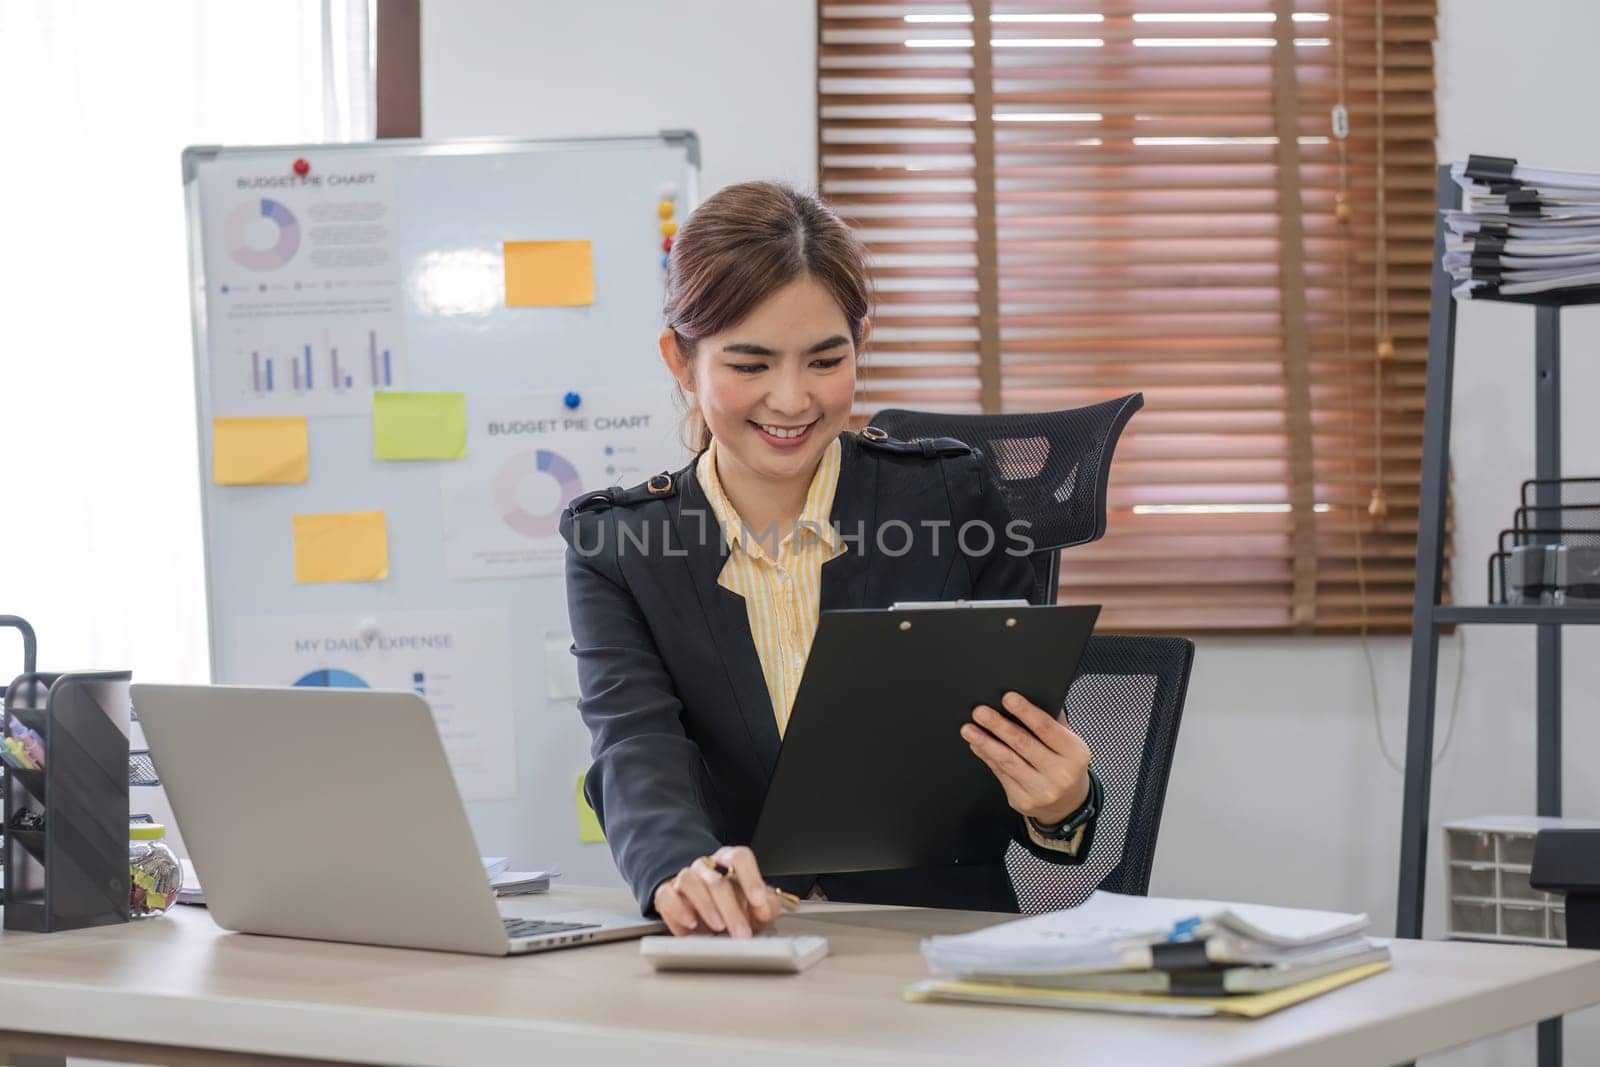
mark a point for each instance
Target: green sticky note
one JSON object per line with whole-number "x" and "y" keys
{"x": 419, "y": 426}
{"x": 589, "y": 832}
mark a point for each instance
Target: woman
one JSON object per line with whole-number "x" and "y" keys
{"x": 694, "y": 597}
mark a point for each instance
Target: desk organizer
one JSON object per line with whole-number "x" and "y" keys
{"x": 30, "y": 659}
{"x": 1550, "y": 556}
{"x": 70, "y": 869}
{"x": 1487, "y": 864}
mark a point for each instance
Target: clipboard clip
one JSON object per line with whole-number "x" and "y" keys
{"x": 940, "y": 605}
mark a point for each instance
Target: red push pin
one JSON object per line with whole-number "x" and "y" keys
{"x": 302, "y": 168}
{"x": 666, "y": 244}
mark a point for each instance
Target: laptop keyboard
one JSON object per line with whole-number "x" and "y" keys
{"x": 516, "y": 928}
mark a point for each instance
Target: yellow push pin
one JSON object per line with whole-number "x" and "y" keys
{"x": 665, "y": 209}
{"x": 668, "y": 228}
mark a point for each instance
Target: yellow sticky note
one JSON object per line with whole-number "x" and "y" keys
{"x": 419, "y": 425}
{"x": 348, "y": 546}
{"x": 589, "y": 831}
{"x": 549, "y": 274}
{"x": 268, "y": 451}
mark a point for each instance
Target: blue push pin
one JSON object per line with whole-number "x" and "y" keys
{"x": 572, "y": 400}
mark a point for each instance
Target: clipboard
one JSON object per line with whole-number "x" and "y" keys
{"x": 873, "y": 773}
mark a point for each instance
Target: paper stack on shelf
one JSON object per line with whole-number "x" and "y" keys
{"x": 1157, "y": 956}
{"x": 1522, "y": 229}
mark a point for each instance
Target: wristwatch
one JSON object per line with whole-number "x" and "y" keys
{"x": 1086, "y": 812}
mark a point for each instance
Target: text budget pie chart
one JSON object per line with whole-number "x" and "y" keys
{"x": 532, "y": 488}
{"x": 261, "y": 234}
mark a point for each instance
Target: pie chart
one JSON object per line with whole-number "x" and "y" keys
{"x": 261, "y": 234}
{"x": 530, "y": 476}
{"x": 332, "y": 678}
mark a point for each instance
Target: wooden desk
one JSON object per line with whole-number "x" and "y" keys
{"x": 179, "y": 990}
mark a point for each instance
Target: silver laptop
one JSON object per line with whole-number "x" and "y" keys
{"x": 333, "y": 814}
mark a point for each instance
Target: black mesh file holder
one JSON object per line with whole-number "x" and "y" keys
{"x": 66, "y": 841}
{"x": 30, "y": 660}
{"x": 1562, "y": 492}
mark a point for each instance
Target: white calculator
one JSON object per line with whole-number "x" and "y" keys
{"x": 706, "y": 952}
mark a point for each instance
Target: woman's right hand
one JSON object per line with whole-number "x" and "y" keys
{"x": 698, "y": 899}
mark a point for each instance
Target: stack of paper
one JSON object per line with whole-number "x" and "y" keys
{"x": 521, "y": 883}
{"x": 1522, "y": 229}
{"x": 509, "y": 883}
{"x": 1156, "y": 956}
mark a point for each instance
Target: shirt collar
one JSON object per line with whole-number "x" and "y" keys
{"x": 816, "y": 515}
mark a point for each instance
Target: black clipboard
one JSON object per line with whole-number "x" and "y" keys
{"x": 873, "y": 773}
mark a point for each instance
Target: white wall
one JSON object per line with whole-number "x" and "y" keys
{"x": 740, "y": 73}
{"x": 1280, "y": 792}
{"x": 1538, "y": 107}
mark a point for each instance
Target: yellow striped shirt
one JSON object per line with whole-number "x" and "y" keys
{"x": 782, "y": 589}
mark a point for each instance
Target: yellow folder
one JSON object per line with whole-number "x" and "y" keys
{"x": 1245, "y": 1005}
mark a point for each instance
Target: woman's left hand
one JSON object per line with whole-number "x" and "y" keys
{"x": 1042, "y": 765}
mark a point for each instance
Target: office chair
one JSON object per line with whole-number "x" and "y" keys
{"x": 1127, "y": 698}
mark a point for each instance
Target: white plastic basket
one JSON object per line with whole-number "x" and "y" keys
{"x": 1488, "y": 897}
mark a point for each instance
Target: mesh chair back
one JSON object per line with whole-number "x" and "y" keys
{"x": 1126, "y": 702}
{"x": 1051, "y": 465}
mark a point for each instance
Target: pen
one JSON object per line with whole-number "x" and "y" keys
{"x": 789, "y": 901}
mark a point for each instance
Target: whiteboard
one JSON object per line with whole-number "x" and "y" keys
{"x": 390, "y": 265}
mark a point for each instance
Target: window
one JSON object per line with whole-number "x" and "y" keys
{"x": 1145, "y": 196}
{"x": 95, "y": 342}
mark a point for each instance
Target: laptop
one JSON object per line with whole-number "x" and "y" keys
{"x": 333, "y": 814}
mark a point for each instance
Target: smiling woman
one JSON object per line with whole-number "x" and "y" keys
{"x": 770, "y": 397}
{"x": 695, "y": 597}
{"x": 766, "y": 314}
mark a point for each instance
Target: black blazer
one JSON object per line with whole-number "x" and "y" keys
{"x": 684, "y": 738}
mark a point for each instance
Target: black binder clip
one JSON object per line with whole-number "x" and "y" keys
{"x": 1523, "y": 202}
{"x": 1488, "y": 244}
{"x": 1491, "y": 169}
{"x": 1485, "y": 266}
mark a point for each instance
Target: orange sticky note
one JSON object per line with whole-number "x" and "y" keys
{"x": 350, "y": 546}
{"x": 549, "y": 274}
{"x": 269, "y": 451}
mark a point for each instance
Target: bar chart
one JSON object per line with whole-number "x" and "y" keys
{"x": 267, "y": 376}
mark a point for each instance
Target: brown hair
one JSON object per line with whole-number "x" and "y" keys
{"x": 742, "y": 245}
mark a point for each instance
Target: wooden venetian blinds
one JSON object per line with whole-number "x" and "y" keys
{"x": 1073, "y": 200}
